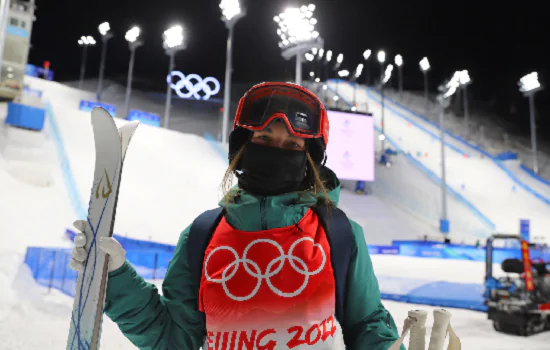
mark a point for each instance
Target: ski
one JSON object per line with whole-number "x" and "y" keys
{"x": 111, "y": 144}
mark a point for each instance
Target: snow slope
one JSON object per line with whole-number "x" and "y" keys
{"x": 184, "y": 170}
{"x": 168, "y": 178}
{"x": 477, "y": 178}
{"x": 33, "y": 202}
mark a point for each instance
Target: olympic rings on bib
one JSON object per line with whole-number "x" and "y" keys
{"x": 254, "y": 270}
{"x": 193, "y": 83}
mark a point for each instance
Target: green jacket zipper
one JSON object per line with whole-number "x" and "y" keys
{"x": 262, "y": 213}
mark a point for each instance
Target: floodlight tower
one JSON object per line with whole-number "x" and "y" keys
{"x": 173, "y": 41}
{"x": 425, "y": 68}
{"x": 464, "y": 81}
{"x": 529, "y": 85}
{"x": 381, "y": 59}
{"x": 366, "y": 56}
{"x": 298, "y": 35}
{"x": 446, "y": 91}
{"x": 320, "y": 62}
{"x": 132, "y": 36}
{"x": 231, "y": 13}
{"x": 358, "y": 72}
{"x": 84, "y": 42}
{"x": 399, "y": 64}
{"x": 310, "y": 57}
{"x": 385, "y": 78}
{"x": 106, "y": 35}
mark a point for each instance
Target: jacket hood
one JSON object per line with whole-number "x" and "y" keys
{"x": 247, "y": 212}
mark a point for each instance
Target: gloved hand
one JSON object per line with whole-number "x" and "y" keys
{"x": 416, "y": 323}
{"x": 117, "y": 254}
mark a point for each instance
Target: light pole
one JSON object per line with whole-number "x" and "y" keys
{"x": 381, "y": 59}
{"x": 358, "y": 72}
{"x": 298, "y": 35}
{"x": 447, "y": 90}
{"x": 132, "y": 37}
{"x": 464, "y": 82}
{"x": 84, "y": 42}
{"x": 320, "y": 59}
{"x": 105, "y": 31}
{"x": 425, "y": 68}
{"x": 399, "y": 64}
{"x": 310, "y": 57}
{"x": 529, "y": 85}
{"x": 172, "y": 43}
{"x": 339, "y": 60}
{"x": 366, "y": 56}
{"x": 342, "y": 74}
{"x": 385, "y": 79}
{"x": 231, "y": 13}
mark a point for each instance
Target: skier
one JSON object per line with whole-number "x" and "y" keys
{"x": 277, "y": 266}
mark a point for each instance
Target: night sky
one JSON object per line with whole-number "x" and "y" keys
{"x": 497, "y": 42}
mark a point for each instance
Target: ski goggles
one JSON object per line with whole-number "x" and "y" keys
{"x": 301, "y": 111}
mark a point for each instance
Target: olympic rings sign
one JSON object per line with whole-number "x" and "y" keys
{"x": 193, "y": 83}
{"x": 272, "y": 269}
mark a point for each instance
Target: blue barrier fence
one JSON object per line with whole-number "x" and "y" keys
{"x": 144, "y": 117}
{"x": 50, "y": 268}
{"x": 35, "y": 71}
{"x": 431, "y": 175}
{"x": 88, "y": 106}
{"x": 70, "y": 183}
{"x": 497, "y": 162}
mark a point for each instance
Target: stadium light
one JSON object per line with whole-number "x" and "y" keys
{"x": 381, "y": 56}
{"x": 387, "y": 74}
{"x": 343, "y": 73}
{"x": 298, "y": 35}
{"x": 172, "y": 42}
{"x": 309, "y": 57}
{"x": 399, "y": 64}
{"x": 84, "y": 42}
{"x": 132, "y": 36}
{"x": 105, "y": 31}
{"x": 529, "y": 85}
{"x": 231, "y": 13}
{"x": 425, "y": 68}
{"x": 339, "y": 60}
{"x": 359, "y": 70}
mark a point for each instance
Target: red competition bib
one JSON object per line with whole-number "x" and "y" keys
{"x": 271, "y": 289}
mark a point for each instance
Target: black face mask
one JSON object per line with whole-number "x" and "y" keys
{"x": 270, "y": 171}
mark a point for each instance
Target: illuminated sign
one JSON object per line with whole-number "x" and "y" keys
{"x": 192, "y": 84}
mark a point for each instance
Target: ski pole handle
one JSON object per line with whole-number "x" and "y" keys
{"x": 439, "y": 329}
{"x": 417, "y": 341}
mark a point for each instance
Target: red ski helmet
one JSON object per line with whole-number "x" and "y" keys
{"x": 302, "y": 112}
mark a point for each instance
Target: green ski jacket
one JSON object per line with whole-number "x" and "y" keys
{"x": 173, "y": 321}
